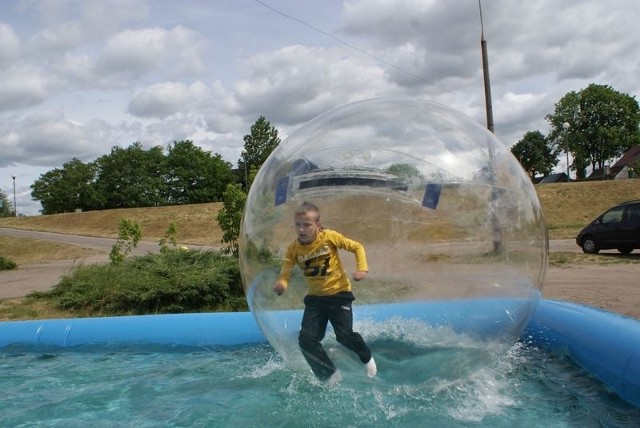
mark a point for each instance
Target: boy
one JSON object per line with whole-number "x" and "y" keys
{"x": 329, "y": 293}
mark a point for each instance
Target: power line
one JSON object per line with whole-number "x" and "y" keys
{"x": 356, "y": 48}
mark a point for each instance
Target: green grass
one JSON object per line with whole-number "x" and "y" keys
{"x": 564, "y": 259}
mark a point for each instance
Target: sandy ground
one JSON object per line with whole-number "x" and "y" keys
{"x": 613, "y": 287}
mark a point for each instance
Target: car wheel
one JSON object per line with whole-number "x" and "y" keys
{"x": 589, "y": 246}
{"x": 625, "y": 250}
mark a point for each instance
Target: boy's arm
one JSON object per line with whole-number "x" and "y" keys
{"x": 356, "y": 248}
{"x": 282, "y": 283}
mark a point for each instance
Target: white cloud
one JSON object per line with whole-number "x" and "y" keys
{"x": 164, "y": 99}
{"x": 81, "y": 76}
{"x": 172, "y": 52}
{"x": 68, "y": 26}
{"x": 75, "y": 69}
{"x": 296, "y": 83}
{"x": 9, "y": 44}
{"x": 22, "y": 86}
{"x": 49, "y": 138}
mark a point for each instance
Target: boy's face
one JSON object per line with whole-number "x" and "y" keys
{"x": 307, "y": 226}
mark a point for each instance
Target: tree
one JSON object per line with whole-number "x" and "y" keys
{"x": 195, "y": 176}
{"x": 603, "y": 124}
{"x": 132, "y": 177}
{"x": 6, "y": 210}
{"x": 67, "y": 189}
{"x": 230, "y": 216}
{"x": 536, "y": 154}
{"x": 258, "y": 145}
{"x": 404, "y": 170}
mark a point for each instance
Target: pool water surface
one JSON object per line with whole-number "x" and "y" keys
{"x": 250, "y": 385}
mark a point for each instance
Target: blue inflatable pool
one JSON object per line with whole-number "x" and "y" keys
{"x": 605, "y": 344}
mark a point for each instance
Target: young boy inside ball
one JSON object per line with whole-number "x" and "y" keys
{"x": 329, "y": 295}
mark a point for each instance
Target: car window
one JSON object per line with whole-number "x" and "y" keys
{"x": 633, "y": 212}
{"x": 612, "y": 216}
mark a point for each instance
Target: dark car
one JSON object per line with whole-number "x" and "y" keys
{"x": 618, "y": 228}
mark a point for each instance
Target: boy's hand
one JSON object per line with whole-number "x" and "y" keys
{"x": 279, "y": 287}
{"x": 359, "y": 275}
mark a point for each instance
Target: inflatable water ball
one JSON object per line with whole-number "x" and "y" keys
{"x": 451, "y": 223}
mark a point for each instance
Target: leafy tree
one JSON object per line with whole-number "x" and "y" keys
{"x": 258, "y": 145}
{"x": 64, "y": 190}
{"x": 230, "y": 216}
{"x": 129, "y": 235}
{"x": 535, "y": 154}
{"x": 6, "y": 210}
{"x": 132, "y": 177}
{"x": 603, "y": 124}
{"x": 195, "y": 176}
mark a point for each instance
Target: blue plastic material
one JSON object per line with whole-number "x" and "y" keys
{"x": 605, "y": 344}
{"x": 233, "y": 328}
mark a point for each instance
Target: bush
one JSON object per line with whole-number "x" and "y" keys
{"x": 174, "y": 281}
{"x": 6, "y": 264}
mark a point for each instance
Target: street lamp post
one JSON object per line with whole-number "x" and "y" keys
{"x": 566, "y": 127}
{"x": 246, "y": 175}
{"x": 15, "y": 208}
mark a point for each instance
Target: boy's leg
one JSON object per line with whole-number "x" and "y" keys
{"x": 341, "y": 318}
{"x": 312, "y": 331}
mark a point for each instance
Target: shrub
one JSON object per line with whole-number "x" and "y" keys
{"x": 6, "y": 264}
{"x": 173, "y": 281}
{"x": 129, "y": 234}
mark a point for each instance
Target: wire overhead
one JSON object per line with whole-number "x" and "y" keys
{"x": 358, "y": 49}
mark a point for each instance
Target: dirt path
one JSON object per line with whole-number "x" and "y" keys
{"x": 613, "y": 287}
{"x": 42, "y": 276}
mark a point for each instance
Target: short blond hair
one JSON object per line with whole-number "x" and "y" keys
{"x": 308, "y": 207}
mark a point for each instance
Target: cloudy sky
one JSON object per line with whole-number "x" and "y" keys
{"x": 78, "y": 77}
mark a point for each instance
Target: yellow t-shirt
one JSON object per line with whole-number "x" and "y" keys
{"x": 320, "y": 262}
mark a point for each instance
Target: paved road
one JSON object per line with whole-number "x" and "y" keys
{"x": 102, "y": 244}
{"x": 43, "y": 276}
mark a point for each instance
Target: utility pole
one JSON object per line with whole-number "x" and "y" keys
{"x": 498, "y": 245}
{"x": 485, "y": 73}
{"x": 15, "y": 208}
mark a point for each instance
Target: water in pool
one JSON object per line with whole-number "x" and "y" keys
{"x": 249, "y": 385}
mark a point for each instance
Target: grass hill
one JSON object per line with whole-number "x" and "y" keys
{"x": 567, "y": 208}
{"x": 195, "y": 224}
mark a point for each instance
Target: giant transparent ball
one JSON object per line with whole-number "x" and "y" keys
{"x": 452, "y": 226}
